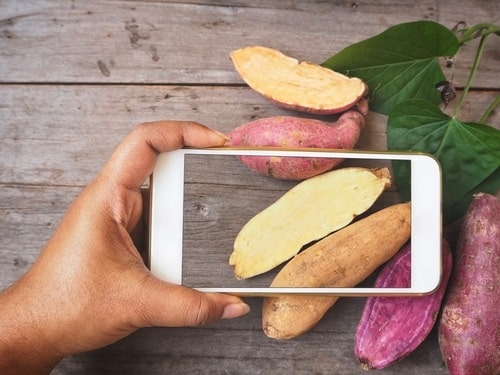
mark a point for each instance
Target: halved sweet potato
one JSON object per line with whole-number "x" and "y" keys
{"x": 307, "y": 212}
{"x": 391, "y": 328}
{"x": 301, "y": 86}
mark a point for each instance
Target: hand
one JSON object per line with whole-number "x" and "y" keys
{"x": 89, "y": 287}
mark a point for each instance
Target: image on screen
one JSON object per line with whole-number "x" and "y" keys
{"x": 220, "y": 196}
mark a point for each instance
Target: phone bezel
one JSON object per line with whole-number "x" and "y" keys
{"x": 166, "y": 211}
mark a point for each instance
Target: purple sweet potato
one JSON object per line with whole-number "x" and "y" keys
{"x": 392, "y": 327}
{"x": 469, "y": 328}
{"x": 295, "y": 132}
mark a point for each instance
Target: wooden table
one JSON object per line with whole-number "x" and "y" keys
{"x": 76, "y": 76}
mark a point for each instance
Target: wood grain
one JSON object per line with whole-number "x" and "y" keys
{"x": 189, "y": 42}
{"x": 76, "y": 77}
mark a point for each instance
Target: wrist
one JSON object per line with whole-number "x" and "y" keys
{"x": 24, "y": 347}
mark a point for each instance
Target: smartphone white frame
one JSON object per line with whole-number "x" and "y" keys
{"x": 166, "y": 211}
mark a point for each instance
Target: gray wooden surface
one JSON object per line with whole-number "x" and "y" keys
{"x": 76, "y": 76}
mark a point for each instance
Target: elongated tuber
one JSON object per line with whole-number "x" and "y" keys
{"x": 342, "y": 259}
{"x": 295, "y": 132}
{"x": 391, "y": 328}
{"x": 469, "y": 329}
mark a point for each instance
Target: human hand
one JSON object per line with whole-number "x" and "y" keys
{"x": 89, "y": 287}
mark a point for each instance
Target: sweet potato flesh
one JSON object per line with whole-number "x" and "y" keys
{"x": 296, "y": 85}
{"x": 309, "y": 211}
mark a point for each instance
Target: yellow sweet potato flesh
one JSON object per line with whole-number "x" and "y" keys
{"x": 302, "y": 86}
{"x": 307, "y": 212}
{"x": 342, "y": 259}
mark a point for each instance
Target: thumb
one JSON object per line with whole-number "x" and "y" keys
{"x": 169, "y": 305}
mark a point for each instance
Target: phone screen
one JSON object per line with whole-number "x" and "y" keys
{"x": 202, "y": 198}
{"x": 220, "y": 196}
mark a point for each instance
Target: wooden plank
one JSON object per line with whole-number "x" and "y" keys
{"x": 240, "y": 347}
{"x": 54, "y": 140}
{"x": 189, "y": 42}
{"x": 63, "y": 134}
{"x": 28, "y": 216}
{"x": 101, "y": 67}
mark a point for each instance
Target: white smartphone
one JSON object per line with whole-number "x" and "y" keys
{"x": 201, "y": 198}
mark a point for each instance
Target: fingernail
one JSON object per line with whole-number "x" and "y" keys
{"x": 235, "y": 310}
{"x": 222, "y": 135}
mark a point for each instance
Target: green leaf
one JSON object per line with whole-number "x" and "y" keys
{"x": 469, "y": 153}
{"x": 491, "y": 185}
{"x": 400, "y": 63}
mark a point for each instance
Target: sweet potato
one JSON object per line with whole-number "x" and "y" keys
{"x": 469, "y": 328}
{"x": 307, "y": 212}
{"x": 291, "y": 84}
{"x": 342, "y": 259}
{"x": 288, "y": 131}
{"x": 390, "y": 328}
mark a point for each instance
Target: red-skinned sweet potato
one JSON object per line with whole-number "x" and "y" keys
{"x": 390, "y": 328}
{"x": 295, "y": 132}
{"x": 469, "y": 328}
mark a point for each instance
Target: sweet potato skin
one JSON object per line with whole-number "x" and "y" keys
{"x": 296, "y": 132}
{"x": 469, "y": 328}
{"x": 390, "y": 328}
{"x": 342, "y": 259}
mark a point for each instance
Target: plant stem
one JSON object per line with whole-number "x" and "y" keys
{"x": 490, "y": 109}
{"x": 472, "y": 73}
{"x": 480, "y": 29}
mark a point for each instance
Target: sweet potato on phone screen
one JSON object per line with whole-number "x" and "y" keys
{"x": 307, "y": 212}
{"x": 342, "y": 259}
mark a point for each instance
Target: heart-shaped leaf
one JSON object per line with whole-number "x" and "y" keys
{"x": 400, "y": 63}
{"x": 469, "y": 153}
{"x": 491, "y": 184}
